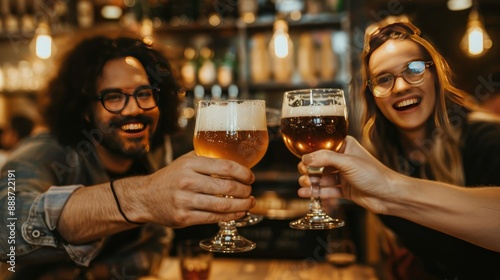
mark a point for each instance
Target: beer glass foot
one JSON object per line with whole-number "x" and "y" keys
{"x": 317, "y": 220}
{"x": 223, "y": 243}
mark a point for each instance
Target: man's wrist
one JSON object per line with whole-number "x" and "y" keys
{"x": 129, "y": 192}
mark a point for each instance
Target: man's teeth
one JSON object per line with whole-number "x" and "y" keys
{"x": 133, "y": 126}
{"x": 407, "y": 102}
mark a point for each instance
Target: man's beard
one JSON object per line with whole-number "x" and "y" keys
{"x": 129, "y": 148}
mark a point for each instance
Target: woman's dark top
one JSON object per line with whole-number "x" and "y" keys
{"x": 445, "y": 256}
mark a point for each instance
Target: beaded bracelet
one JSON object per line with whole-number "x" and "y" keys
{"x": 118, "y": 204}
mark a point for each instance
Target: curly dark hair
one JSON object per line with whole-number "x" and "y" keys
{"x": 70, "y": 94}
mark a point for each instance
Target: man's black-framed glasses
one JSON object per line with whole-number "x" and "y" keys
{"x": 413, "y": 74}
{"x": 114, "y": 100}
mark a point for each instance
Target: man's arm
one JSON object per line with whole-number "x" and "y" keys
{"x": 178, "y": 195}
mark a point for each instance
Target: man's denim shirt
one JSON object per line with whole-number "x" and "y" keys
{"x": 44, "y": 174}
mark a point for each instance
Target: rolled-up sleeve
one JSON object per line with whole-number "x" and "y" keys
{"x": 36, "y": 200}
{"x": 40, "y": 227}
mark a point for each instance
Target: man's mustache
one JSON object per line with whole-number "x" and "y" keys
{"x": 122, "y": 120}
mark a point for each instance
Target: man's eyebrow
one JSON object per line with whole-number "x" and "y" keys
{"x": 122, "y": 91}
{"x": 110, "y": 90}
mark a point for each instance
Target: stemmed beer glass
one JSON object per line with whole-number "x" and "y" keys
{"x": 234, "y": 130}
{"x": 314, "y": 119}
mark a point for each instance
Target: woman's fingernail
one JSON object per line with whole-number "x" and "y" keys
{"x": 307, "y": 158}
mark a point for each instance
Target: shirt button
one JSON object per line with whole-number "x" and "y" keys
{"x": 35, "y": 233}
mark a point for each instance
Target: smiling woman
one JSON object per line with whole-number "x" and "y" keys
{"x": 418, "y": 123}
{"x": 425, "y": 131}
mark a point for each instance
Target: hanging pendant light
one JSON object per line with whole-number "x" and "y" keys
{"x": 476, "y": 42}
{"x": 43, "y": 41}
{"x": 458, "y": 5}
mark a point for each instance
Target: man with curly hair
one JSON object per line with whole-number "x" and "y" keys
{"x": 94, "y": 197}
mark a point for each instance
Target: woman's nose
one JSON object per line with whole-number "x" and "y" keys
{"x": 400, "y": 84}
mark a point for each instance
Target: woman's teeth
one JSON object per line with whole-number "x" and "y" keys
{"x": 407, "y": 103}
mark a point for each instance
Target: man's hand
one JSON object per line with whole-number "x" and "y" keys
{"x": 189, "y": 191}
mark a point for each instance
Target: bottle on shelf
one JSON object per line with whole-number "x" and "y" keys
{"x": 211, "y": 12}
{"x": 85, "y": 13}
{"x": 232, "y": 91}
{"x": 188, "y": 70}
{"x": 26, "y": 18}
{"x": 315, "y": 7}
{"x": 207, "y": 73}
{"x": 199, "y": 94}
{"x": 306, "y": 58}
{"x": 260, "y": 70}
{"x": 10, "y": 22}
{"x": 2, "y": 79}
{"x": 328, "y": 60}
{"x": 248, "y": 10}
{"x": 216, "y": 92}
{"x": 290, "y": 9}
{"x": 225, "y": 69}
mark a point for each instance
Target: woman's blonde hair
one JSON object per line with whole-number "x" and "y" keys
{"x": 442, "y": 144}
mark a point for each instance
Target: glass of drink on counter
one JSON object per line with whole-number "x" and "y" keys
{"x": 194, "y": 262}
{"x": 314, "y": 119}
{"x": 341, "y": 253}
{"x": 234, "y": 130}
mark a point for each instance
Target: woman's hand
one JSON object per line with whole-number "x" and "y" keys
{"x": 360, "y": 178}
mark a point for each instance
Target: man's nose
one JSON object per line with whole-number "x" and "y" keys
{"x": 132, "y": 107}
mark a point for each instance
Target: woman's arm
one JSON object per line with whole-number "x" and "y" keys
{"x": 471, "y": 214}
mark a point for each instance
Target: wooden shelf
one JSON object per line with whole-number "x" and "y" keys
{"x": 19, "y": 93}
{"x": 274, "y": 86}
{"x": 325, "y": 20}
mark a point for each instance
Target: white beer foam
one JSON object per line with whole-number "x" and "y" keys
{"x": 305, "y": 111}
{"x": 232, "y": 116}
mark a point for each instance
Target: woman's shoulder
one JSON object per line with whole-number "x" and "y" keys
{"x": 481, "y": 152}
{"x": 482, "y": 127}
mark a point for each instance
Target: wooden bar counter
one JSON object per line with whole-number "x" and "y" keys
{"x": 273, "y": 269}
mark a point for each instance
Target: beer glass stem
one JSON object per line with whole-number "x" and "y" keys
{"x": 316, "y": 218}
{"x": 315, "y": 177}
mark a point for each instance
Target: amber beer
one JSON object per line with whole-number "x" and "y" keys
{"x": 246, "y": 147}
{"x": 303, "y": 135}
{"x": 234, "y": 130}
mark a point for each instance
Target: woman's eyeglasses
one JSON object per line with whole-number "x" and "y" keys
{"x": 413, "y": 74}
{"x": 114, "y": 100}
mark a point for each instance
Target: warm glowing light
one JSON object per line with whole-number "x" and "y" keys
{"x": 248, "y": 18}
{"x": 111, "y": 12}
{"x": 44, "y": 46}
{"x": 295, "y": 15}
{"x": 147, "y": 31}
{"x": 214, "y": 19}
{"x": 475, "y": 41}
{"x": 458, "y": 5}
{"x": 188, "y": 112}
{"x": 43, "y": 41}
{"x": 281, "y": 43}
